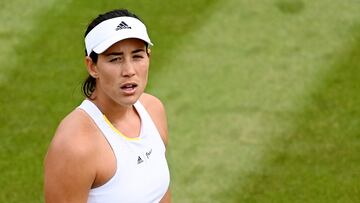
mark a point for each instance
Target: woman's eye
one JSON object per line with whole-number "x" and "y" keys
{"x": 138, "y": 56}
{"x": 115, "y": 59}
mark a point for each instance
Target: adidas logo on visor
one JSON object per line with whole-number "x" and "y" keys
{"x": 122, "y": 25}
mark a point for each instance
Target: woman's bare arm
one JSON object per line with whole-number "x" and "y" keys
{"x": 69, "y": 165}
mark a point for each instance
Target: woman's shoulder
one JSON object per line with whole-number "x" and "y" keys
{"x": 150, "y": 101}
{"x": 70, "y": 162}
{"x": 156, "y": 110}
{"x": 154, "y": 106}
{"x": 75, "y": 133}
{"x": 77, "y": 122}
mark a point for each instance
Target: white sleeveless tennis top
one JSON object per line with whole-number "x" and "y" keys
{"x": 142, "y": 174}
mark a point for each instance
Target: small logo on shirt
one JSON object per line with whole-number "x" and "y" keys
{"x": 122, "y": 25}
{"x": 139, "y": 161}
{"x": 148, "y": 154}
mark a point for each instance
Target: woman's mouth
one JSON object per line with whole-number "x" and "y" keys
{"x": 129, "y": 88}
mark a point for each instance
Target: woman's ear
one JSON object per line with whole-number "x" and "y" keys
{"x": 148, "y": 51}
{"x": 91, "y": 67}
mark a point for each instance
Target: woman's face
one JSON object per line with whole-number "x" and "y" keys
{"x": 121, "y": 72}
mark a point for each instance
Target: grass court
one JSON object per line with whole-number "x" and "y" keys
{"x": 262, "y": 96}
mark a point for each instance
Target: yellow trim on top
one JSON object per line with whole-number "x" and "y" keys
{"x": 118, "y": 132}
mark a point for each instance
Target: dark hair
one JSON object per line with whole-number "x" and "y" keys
{"x": 89, "y": 84}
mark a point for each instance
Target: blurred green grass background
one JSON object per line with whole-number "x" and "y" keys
{"x": 262, "y": 96}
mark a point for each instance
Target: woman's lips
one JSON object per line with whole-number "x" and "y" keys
{"x": 129, "y": 88}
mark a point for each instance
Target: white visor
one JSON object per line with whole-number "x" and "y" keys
{"x": 108, "y": 32}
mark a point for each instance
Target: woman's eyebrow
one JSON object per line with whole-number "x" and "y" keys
{"x": 122, "y": 53}
{"x": 114, "y": 54}
{"x": 138, "y": 50}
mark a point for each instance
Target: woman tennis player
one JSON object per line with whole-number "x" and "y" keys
{"x": 111, "y": 149}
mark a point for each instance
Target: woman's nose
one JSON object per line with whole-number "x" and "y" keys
{"x": 128, "y": 69}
